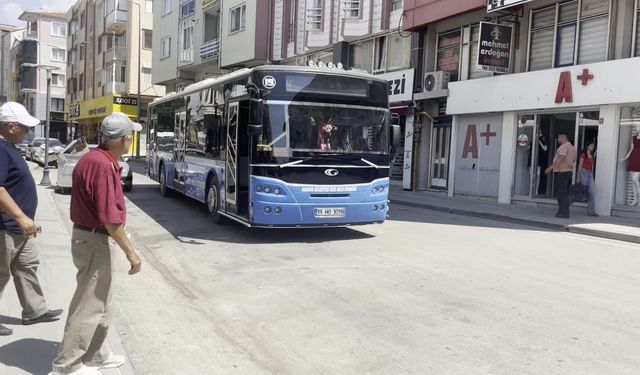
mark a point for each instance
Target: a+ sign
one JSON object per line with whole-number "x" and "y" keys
{"x": 585, "y": 77}
{"x": 488, "y": 134}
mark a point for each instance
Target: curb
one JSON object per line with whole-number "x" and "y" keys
{"x": 516, "y": 220}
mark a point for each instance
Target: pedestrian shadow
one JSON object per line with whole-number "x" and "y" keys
{"x": 10, "y": 320}
{"x": 189, "y": 221}
{"x": 33, "y": 356}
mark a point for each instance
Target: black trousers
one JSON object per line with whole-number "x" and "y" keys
{"x": 563, "y": 180}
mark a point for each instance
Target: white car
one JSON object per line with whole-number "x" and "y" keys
{"x": 68, "y": 160}
{"x": 37, "y": 150}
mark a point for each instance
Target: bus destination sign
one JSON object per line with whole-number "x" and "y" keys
{"x": 494, "y": 5}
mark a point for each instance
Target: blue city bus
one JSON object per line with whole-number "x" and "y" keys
{"x": 276, "y": 146}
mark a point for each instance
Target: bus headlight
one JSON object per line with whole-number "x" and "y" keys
{"x": 277, "y": 210}
{"x": 258, "y": 188}
{"x": 267, "y": 210}
{"x": 267, "y": 189}
{"x": 276, "y": 191}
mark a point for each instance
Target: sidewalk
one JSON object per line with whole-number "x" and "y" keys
{"x": 541, "y": 217}
{"x": 31, "y": 349}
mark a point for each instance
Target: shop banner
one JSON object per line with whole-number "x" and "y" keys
{"x": 494, "y": 52}
{"x": 400, "y": 85}
{"x": 493, "y": 5}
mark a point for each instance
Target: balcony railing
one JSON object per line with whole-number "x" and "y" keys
{"x": 116, "y": 21}
{"x": 210, "y": 49}
{"x": 186, "y": 56}
{"x": 209, "y": 3}
{"x": 30, "y": 34}
{"x": 115, "y": 53}
{"x": 118, "y": 87}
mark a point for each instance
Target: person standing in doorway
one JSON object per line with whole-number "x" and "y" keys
{"x": 19, "y": 256}
{"x": 586, "y": 169}
{"x": 99, "y": 213}
{"x": 562, "y": 168}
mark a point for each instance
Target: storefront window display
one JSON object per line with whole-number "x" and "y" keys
{"x": 628, "y": 175}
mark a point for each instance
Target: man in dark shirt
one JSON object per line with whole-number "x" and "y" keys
{"x": 99, "y": 214}
{"x": 18, "y": 203}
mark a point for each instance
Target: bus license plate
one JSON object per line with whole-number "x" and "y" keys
{"x": 328, "y": 212}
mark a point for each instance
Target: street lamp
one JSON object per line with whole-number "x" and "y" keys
{"x": 45, "y": 173}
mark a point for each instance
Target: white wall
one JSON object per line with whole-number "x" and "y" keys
{"x": 240, "y": 46}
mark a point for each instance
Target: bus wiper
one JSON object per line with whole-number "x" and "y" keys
{"x": 376, "y": 166}
{"x": 291, "y": 163}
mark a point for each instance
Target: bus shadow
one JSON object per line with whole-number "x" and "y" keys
{"x": 189, "y": 222}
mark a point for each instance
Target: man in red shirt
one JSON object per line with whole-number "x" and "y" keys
{"x": 99, "y": 214}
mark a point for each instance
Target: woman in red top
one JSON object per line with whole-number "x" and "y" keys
{"x": 586, "y": 167}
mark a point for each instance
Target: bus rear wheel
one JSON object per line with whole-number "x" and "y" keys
{"x": 213, "y": 202}
{"x": 164, "y": 190}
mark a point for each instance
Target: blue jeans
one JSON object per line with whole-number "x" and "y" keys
{"x": 586, "y": 178}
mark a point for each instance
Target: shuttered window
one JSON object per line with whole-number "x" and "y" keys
{"x": 564, "y": 31}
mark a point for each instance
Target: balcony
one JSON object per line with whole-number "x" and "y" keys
{"x": 115, "y": 53}
{"x": 115, "y": 88}
{"x": 210, "y": 49}
{"x": 116, "y": 21}
{"x": 30, "y": 34}
{"x": 186, "y": 56}
{"x": 206, "y": 4}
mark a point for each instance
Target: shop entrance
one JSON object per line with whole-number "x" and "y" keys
{"x": 440, "y": 146}
{"x": 537, "y": 145}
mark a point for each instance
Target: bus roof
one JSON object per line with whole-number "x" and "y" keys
{"x": 229, "y": 77}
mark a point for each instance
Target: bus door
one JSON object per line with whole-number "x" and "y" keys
{"x": 231, "y": 159}
{"x": 179, "y": 167}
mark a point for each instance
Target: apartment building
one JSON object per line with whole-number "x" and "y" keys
{"x": 9, "y": 35}
{"x": 42, "y": 43}
{"x": 496, "y": 85}
{"x": 109, "y": 64}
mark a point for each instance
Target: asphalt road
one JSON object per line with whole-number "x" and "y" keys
{"x": 424, "y": 293}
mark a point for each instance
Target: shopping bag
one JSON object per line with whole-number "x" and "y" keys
{"x": 579, "y": 193}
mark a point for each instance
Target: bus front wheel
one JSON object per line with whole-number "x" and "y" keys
{"x": 213, "y": 202}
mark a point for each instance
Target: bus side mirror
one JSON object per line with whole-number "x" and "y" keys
{"x": 396, "y": 136}
{"x": 256, "y": 109}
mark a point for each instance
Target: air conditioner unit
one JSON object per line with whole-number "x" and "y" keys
{"x": 435, "y": 85}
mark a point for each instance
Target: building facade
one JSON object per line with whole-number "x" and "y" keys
{"x": 9, "y": 35}
{"x": 109, "y": 64}
{"x": 497, "y": 88}
{"x": 41, "y": 45}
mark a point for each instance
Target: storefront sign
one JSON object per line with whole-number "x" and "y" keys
{"x": 494, "y": 52}
{"x": 74, "y": 111}
{"x": 493, "y": 5}
{"x": 56, "y": 116}
{"x": 523, "y": 140}
{"x": 93, "y": 112}
{"x": 400, "y": 85}
{"x": 123, "y": 100}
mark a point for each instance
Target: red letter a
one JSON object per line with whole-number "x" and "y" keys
{"x": 565, "y": 91}
{"x": 470, "y": 143}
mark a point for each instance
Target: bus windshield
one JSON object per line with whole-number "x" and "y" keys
{"x": 303, "y": 129}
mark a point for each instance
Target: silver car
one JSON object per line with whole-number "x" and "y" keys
{"x": 36, "y": 150}
{"x": 70, "y": 156}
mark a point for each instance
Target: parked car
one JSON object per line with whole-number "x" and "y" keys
{"x": 24, "y": 145}
{"x": 37, "y": 146}
{"x": 68, "y": 159}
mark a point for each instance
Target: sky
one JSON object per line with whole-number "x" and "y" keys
{"x": 10, "y": 10}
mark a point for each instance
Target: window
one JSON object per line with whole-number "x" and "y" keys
{"x": 293, "y": 18}
{"x": 361, "y": 54}
{"x": 186, "y": 38}
{"x": 396, "y": 4}
{"x": 166, "y": 47}
{"x": 58, "y": 54}
{"x": 81, "y": 49}
{"x": 187, "y": 7}
{"x": 59, "y": 29}
{"x": 148, "y": 6}
{"x": 448, "y": 55}
{"x": 166, "y": 7}
{"x": 81, "y": 19}
{"x": 100, "y": 77}
{"x": 81, "y": 82}
{"x": 352, "y": 8}
{"x": 57, "y": 79}
{"x": 148, "y": 38}
{"x": 123, "y": 5}
{"x": 398, "y": 51}
{"x": 238, "y": 18}
{"x": 57, "y": 105}
{"x": 637, "y": 36}
{"x": 314, "y": 15}
{"x": 578, "y": 29}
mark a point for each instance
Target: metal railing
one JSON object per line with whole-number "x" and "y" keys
{"x": 209, "y": 3}
{"x": 30, "y": 34}
{"x": 210, "y": 49}
{"x": 186, "y": 56}
{"x": 115, "y": 53}
{"x": 116, "y": 17}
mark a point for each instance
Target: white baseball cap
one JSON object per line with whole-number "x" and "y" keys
{"x": 16, "y": 112}
{"x": 118, "y": 124}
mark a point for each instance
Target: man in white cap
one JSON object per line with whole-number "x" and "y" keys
{"x": 99, "y": 214}
{"x": 18, "y": 203}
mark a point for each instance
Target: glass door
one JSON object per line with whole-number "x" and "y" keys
{"x": 440, "y": 146}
